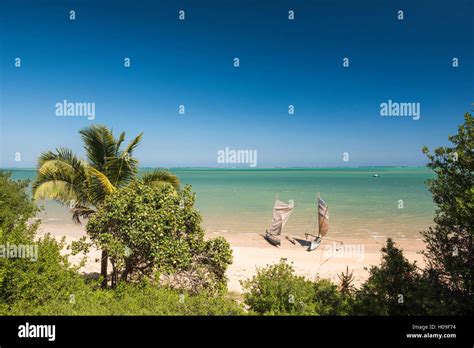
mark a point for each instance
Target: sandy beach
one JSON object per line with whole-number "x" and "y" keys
{"x": 251, "y": 251}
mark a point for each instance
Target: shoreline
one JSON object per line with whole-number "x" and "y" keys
{"x": 250, "y": 251}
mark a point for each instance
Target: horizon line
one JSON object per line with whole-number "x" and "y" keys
{"x": 248, "y": 168}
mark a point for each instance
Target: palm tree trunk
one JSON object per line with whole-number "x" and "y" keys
{"x": 103, "y": 267}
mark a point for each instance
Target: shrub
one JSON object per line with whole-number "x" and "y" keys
{"x": 35, "y": 279}
{"x": 156, "y": 230}
{"x": 206, "y": 272}
{"x": 16, "y": 207}
{"x": 37, "y": 282}
{"x": 276, "y": 290}
{"x": 449, "y": 244}
{"x": 128, "y": 299}
{"x": 393, "y": 287}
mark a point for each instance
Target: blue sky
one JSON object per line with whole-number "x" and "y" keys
{"x": 282, "y": 62}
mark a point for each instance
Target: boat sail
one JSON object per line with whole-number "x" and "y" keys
{"x": 323, "y": 224}
{"x": 281, "y": 214}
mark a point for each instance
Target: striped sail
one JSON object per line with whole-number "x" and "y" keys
{"x": 323, "y": 215}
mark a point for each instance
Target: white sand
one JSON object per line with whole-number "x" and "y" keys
{"x": 251, "y": 251}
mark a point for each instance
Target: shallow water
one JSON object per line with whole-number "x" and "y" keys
{"x": 360, "y": 205}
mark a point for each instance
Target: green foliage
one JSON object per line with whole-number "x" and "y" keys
{"x": 206, "y": 272}
{"x": 392, "y": 287}
{"x": 40, "y": 277}
{"x": 127, "y": 299}
{"x": 160, "y": 178}
{"x": 16, "y": 207}
{"x": 346, "y": 287}
{"x": 48, "y": 285}
{"x": 453, "y": 187}
{"x": 449, "y": 244}
{"x": 276, "y": 290}
{"x": 84, "y": 184}
{"x": 36, "y": 282}
{"x": 216, "y": 256}
{"x": 149, "y": 230}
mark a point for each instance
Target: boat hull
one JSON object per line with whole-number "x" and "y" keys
{"x": 272, "y": 239}
{"x": 315, "y": 244}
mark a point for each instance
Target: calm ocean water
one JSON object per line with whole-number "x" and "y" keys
{"x": 233, "y": 200}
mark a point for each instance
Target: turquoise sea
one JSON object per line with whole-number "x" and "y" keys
{"x": 360, "y": 205}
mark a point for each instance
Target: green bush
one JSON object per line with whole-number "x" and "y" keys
{"x": 393, "y": 288}
{"x": 128, "y": 299}
{"x": 276, "y": 290}
{"x": 37, "y": 281}
{"x": 48, "y": 285}
{"x": 16, "y": 207}
{"x": 38, "y": 277}
{"x": 449, "y": 243}
{"x": 156, "y": 230}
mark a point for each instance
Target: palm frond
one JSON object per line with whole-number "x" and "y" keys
{"x": 120, "y": 140}
{"x": 159, "y": 178}
{"x": 99, "y": 144}
{"x": 133, "y": 144}
{"x": 121, "y": 170}
{"x": 66, "y": 156}
{"x": 61, "y": 191}
{"x": 105, "y": 185}
{"x": 60, "y": 170}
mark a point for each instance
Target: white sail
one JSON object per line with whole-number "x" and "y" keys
{"x": 281, "y": 214}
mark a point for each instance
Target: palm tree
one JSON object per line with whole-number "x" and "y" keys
{"x": 82, "y": 185}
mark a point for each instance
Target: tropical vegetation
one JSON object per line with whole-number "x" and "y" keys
{"x": 151, "y": 232}
{"x": 83, "y": 184}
